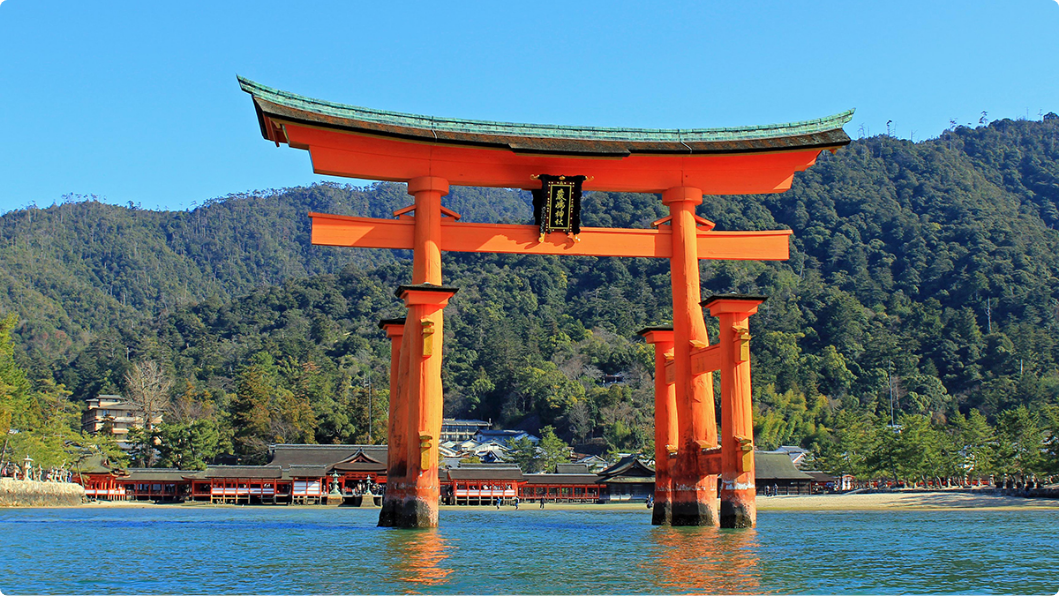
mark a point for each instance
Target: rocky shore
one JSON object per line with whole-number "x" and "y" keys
{"x": 30, "y": 493}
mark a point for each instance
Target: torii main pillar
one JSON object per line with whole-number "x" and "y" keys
{"x": 694, "y": 492}
{"x": 412, "y": 488}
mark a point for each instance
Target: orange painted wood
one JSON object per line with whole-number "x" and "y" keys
{"x": 738, "y": 491}
{"x": 426, "y": 258}
{"x": 666, "y": 420}
{"x": 693, "y": 497}
{"x": 702, "y": 361}
{"x": 377, "y": 158}
{"x": 365, "y": 232}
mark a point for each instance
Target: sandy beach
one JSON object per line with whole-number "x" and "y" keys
{"x": 902, "y": 501}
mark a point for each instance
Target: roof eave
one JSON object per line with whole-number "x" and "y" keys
{"x": 280, "y": 107}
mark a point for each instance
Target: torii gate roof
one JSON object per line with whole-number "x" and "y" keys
{"x": 359, "y": 142}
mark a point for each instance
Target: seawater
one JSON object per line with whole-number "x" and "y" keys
{"x": 276, "y": 550}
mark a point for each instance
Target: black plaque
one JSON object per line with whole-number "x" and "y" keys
{"x": 557, "y": 205}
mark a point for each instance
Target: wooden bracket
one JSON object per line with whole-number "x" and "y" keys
{"x": 746, "y": 446}
{"x": 428, "y": 338}
{"x": 424, "y": 450}
{"x": 411, "y": 208}
{"x": 702, "y": 221}
{"x": 742, "y": 344}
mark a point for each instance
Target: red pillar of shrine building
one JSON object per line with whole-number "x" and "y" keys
{"x": 665, "y": 423}
{"x": 694, "y": 491}
{"x": 738, "y": 506}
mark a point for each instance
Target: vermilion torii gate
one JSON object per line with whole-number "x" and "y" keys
{"x": 429, "y": 154}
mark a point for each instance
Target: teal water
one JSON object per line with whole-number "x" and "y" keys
{"x": 165, "y": 550}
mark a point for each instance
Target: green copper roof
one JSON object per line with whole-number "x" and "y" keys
{"x": 821, "y": 132}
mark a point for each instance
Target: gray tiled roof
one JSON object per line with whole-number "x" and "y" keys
{"x": 323, "y": 455}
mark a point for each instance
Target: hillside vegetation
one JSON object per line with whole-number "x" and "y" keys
{"x": 923, "y": 279}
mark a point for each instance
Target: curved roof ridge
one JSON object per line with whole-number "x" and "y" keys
{"x": 597, "y": 133}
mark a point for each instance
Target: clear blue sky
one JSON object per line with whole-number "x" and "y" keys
{"x": 137, "y": 101}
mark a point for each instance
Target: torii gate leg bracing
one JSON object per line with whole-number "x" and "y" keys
{"x": 412, "y": 489}
{"x": 665, "y": 424}
{"x": 738, "y": 507}
{"x": 694, "y": 490}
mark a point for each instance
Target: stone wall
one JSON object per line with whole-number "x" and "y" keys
{"x": 29, "y": 493}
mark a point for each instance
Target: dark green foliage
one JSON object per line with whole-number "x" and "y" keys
{"x": 923, "y": 278}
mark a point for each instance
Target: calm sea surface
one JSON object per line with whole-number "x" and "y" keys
{"x": 309, "y": 551}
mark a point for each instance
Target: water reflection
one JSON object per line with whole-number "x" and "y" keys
{"x": 416, "y": 557}
{"x": 705, "y": 560}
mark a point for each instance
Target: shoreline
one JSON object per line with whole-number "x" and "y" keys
{"x": 894, "y": 501}
{"x": 905, "y": 501}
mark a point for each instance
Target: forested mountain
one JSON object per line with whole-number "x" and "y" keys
{"x": 924, "y": 277}
{"x": 82, "y": 267}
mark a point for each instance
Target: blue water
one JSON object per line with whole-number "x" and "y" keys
{"x": 274, "y": 550}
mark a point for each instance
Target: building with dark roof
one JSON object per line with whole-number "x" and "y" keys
{"x": 628, "y": 480}
{"x": 775, "y": 473}
{"x": 454, "y": 429}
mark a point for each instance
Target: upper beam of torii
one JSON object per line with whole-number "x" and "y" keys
{"x": 682, "y": 165}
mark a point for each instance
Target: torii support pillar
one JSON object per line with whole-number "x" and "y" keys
{"x": 665, "y": 423}
{"x": 694, "y": 488}
{"x": 738, "y": 501}
{"x": 394, "y": 329}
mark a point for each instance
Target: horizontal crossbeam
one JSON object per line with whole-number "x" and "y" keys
{"x": 703, "y": 360}
{"x": 365, "y": 232}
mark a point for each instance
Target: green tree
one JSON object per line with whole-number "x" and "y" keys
{"x": 251, "y": 416}
{"x": 543, "y": 456}
{"x": 851, "y": 444}
{"x": 188, "y": 445}
{"x": 523, "y": 453}
{"x": 1020, "y": 443}
{"x": 978, "y": 443}
{"x": 552, "y": 450}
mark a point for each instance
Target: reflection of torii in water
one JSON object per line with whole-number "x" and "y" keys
{"x": 432, "y": 153}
